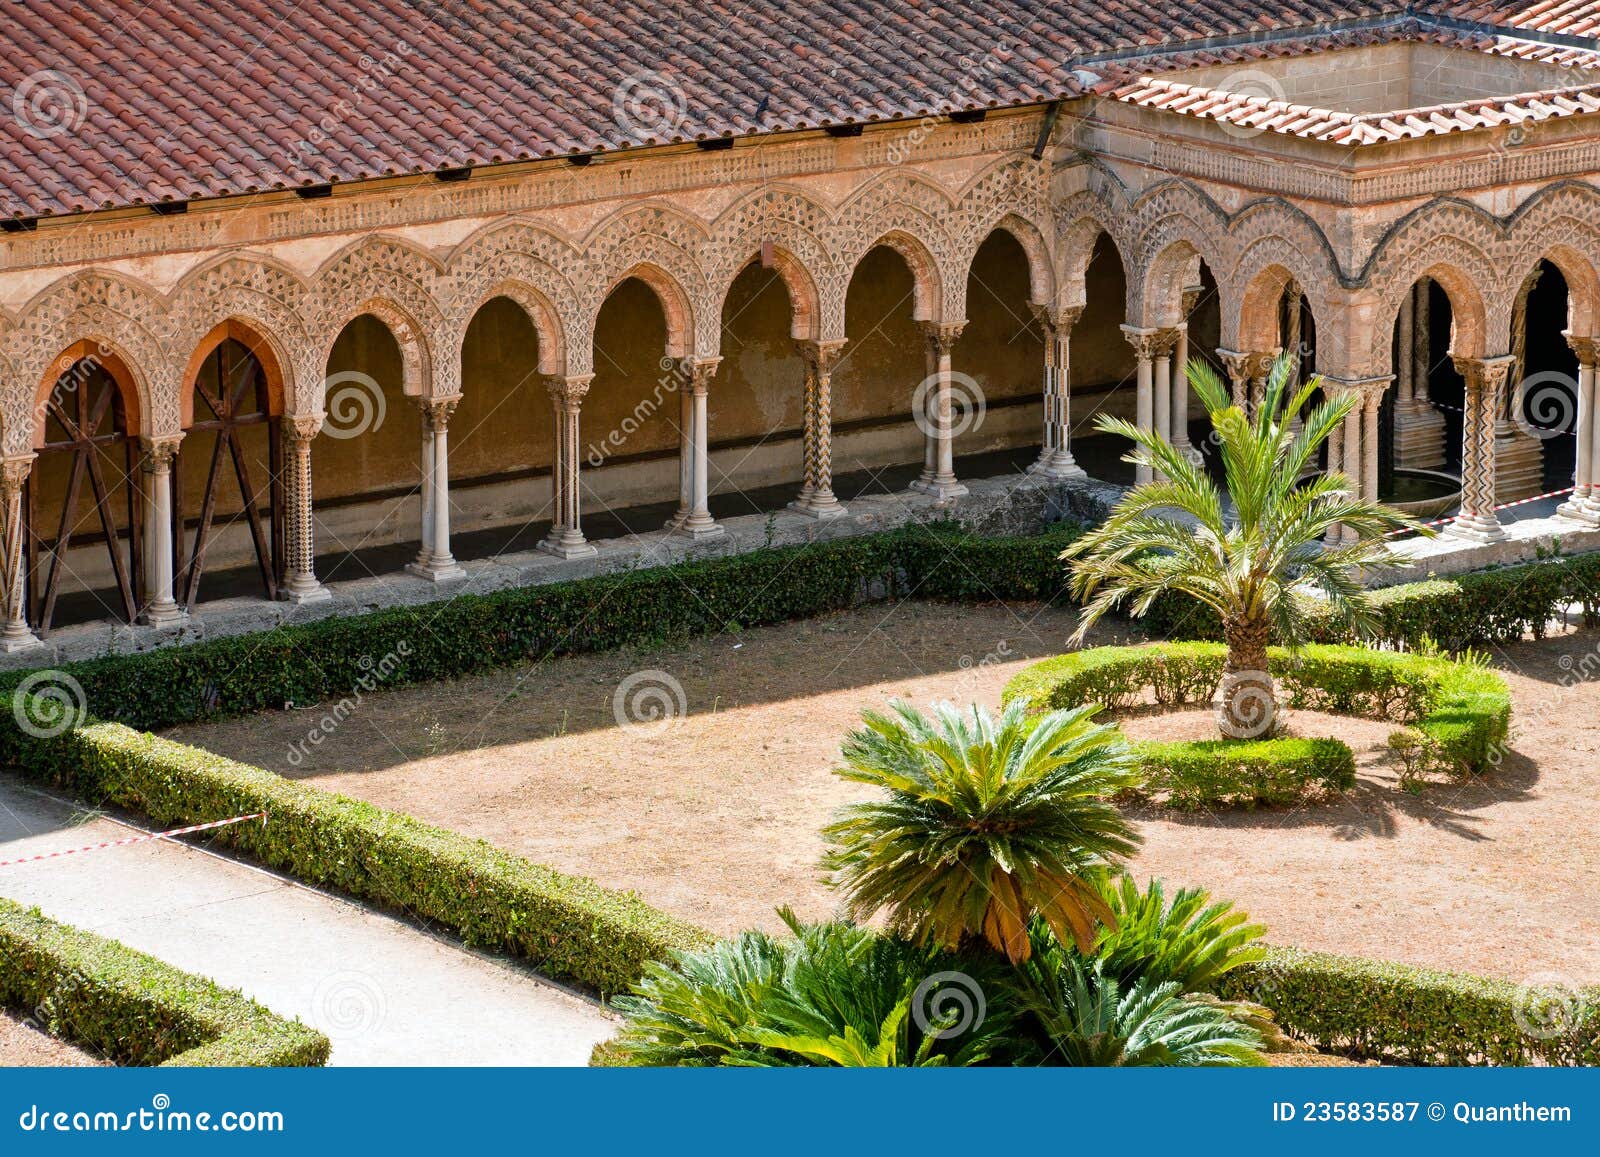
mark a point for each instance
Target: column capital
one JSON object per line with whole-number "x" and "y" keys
{"x": 303, "y": 427}
{"x": 1150, "y": 343}
{"x": 568, "y": 390}
{"x": 159, "y": 452}
{"x": 1247, "y": 363}
{"x": 436, "y": 412}
{"x": 1190, "y": 297}
{"x": 701, "y": 371}
{"x": 1587, "y": 349}
{"x": 942, "y": 336}
{"x": 1484, "y": 373}
{"x": 1057, "y": 320}
{"x": 821, "y": 356}
{"x": 14, "y": 472}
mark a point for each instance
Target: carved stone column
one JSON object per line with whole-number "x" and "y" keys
{"x": 1585, "y": 501}
{"x": 1238, "y": 365}
{"x": 816, "y": 499}
{"x": 434, "y": 560}
{"x": 15, "y": 635}
{"x": 1418, "y": 427}
{"x": 1180, "y": 375}
{"x": 1055, "y": 454}
{"x": 936, "y": 416}
{"x": 682, "y": 375}
{"x": 300, "y": 585}
{"x": 700, "y": 524}
{"x": 565, "y": 539}
{"x": 1485, "y": 381}
{"x": 161, "y": 607}
{"x": 1353, "y": 446}
{"x": 1146, "y": 345}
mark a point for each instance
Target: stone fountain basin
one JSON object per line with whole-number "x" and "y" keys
{"x": 1423, "y": 494}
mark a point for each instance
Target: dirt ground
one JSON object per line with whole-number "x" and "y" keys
{"x": 714, "y": 815}
{"x": 23, "y": 1046}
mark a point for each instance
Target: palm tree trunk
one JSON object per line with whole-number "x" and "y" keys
{"x": 1246, "y": 702}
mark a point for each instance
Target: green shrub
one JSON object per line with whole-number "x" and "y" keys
{"x": 133, "y": 1008}
{"x": 1417, "y": 1015}
{"x": 1461, "y": 708}
{"x": 567, "y": 926}
{"x": 1245, "y": 773}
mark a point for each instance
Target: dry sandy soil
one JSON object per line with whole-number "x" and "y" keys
{"x": 22, "y": 1045}
{"x": 715, "y": 816}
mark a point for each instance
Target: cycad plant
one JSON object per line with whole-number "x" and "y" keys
{"x": 1177, "y": 535}
{"x": 984, "y": 823}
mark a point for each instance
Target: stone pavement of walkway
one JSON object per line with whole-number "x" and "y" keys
{"x": 385, "y": 992}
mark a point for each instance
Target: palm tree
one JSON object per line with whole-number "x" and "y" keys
{"x": 1175, "y": 534}
{"x": 987, "y": 822}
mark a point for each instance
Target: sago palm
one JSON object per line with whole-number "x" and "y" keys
{"x": 986, "y": 822}
{"x": 1177, "y": 535}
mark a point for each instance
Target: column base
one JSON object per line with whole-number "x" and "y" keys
{"x": 1061, "y": 467}
{"x": 940, "y": 491}
{"x": 17, "y": 638}
{"x": 563, "y": 545}
{"x": 1580, "y": 509}
{"x": 167, "y": 614}
{"x": 1477, "y": 528}
{"x": 698, "y": 531}
{"x": 303, "y": 590}
{"x": 824, "y": 508}
{"x": 433, "y": 570}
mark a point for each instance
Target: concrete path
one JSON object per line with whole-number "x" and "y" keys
{"x": 384, "y": 992}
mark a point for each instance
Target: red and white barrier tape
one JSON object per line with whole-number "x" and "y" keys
{"x": 1502, "y": 506}
{"x": 137, "y": 839}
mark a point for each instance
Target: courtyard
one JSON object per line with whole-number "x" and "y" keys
{"x": 712, "y": 814}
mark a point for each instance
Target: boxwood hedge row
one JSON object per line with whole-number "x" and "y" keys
{"x": 133, "y": 1008}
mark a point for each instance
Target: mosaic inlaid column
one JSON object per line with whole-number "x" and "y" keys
{"x": 434, "y": 560}
{"x": 1055, "y": 453}
{"x": 565, "y": 539}
{"x": 936, "y": 417}
{"x": 15, "y": 635}
{"x": 816, "y": 498}
{"x": 1585, "y": 500}
{"x": 1485, "y": 383}
{"x": 300, "y": 585}
{"x": 161, "y": 606}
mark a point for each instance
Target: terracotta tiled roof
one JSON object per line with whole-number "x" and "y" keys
{"x": 119, "y": 103}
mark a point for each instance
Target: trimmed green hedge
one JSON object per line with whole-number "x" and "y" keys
{"x": 1463, "y": 710}
{"x": 1387, "y": 1010}
{"x": 1490, "y": 606}
{"x": 1240, "y": 773}
{"x": 567, "y": 926}
{"x": 133, "y": 1008}
{"x": 322, "y": 660}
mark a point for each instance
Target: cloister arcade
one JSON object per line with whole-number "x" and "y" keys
{"x": 422, "y": 390}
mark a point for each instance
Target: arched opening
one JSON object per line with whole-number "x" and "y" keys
{"x": 502, "y": 436}
{"x": 82, "y": 493}
{"x": 1102, "y": 364}
{"x": 1544, "y": 383}
{"x": 633, "y": 418}
{"x": 757, "y": 404}
{"x": 366, "y": 460}
{"x": 1420, "y": 423}
{"x": 997, "y": 403}
{"x": 876, "y": 445}
{"x": 227, "y": 508}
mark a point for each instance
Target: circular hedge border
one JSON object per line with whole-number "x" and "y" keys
{"x": 1459, "y": 712}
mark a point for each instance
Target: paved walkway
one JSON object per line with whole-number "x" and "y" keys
{"x": 384, "y": 992}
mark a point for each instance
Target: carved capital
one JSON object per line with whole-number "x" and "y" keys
{"x": 1368, "y": 391}
{"x": 159, "y": 453}
{"x": 13, "y": 473}
{"x": 436, "y": 412}
{"x": 1485, "y": 374}
{"x": 301, "y": 428}
{"x": 1190, "y": 298}
{"x": 1587, "y": 349}
{"x": 700, "y": 372}
{"x": 1151, "y": 343}
{"x": 568, "y": 392}
{"x": 1057, "y": 322}
{"x": 942, "y": 336}
{"x": 821, "y": 356}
